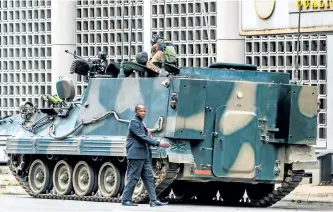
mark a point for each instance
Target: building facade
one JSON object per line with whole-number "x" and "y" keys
{"x": 270, "y": 29}
{"x": 34, "y": 35}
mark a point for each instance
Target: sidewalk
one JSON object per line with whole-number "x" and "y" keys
{"x": 303, "y": 193}
{"x": 311, "y": 193}
{"x": 8, "y": 183}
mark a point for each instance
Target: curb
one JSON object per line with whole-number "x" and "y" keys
{"x": 310, "y": 198}
{"x": 4, "y": 170}
{"x": 12, "y": 190}
{"x": 10, "y": 186}
{"x": 8, "y": 183}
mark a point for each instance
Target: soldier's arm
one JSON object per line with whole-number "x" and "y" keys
{"x": 153, "y": 67}
{"x": 140, "y": 134}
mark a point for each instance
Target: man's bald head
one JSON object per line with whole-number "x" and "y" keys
{"x": 139, "y": 106}
{"x": 140, "y": 110}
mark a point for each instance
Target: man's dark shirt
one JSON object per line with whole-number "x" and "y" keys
{"x": 138, "y": 141}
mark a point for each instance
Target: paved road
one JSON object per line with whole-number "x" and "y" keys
{"x": 26, "y": 203}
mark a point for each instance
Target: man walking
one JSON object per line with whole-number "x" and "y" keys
{"x": 139, "y": 159}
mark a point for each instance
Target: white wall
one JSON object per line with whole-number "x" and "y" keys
{"x": 281, "y": 21}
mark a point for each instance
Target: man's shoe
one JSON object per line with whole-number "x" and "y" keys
{"x": 157, "y": 203}
{"x": 129, "y": 203}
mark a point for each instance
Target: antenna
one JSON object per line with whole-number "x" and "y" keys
{"x": 164, "y": 22}
{"x": 208, "y": 32}
{"x": 298, "y": 43}
{"x": 164, "y": 39}
{"x": 130, "y": 41}
{"x": 121, "y": 72}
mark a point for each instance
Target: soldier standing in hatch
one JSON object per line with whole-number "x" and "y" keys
{"x": 158, "y": 50}
{"x": 161, "y": 48}
{"x": 139, "y": 159}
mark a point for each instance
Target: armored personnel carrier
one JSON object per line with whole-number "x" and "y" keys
{"x": 232, "y": 130}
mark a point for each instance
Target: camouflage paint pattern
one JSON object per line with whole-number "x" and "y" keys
{"x": 229, "y": 125}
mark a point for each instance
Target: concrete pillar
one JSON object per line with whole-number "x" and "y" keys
{"x": 146, "y": 26}
{"x": 230, "y": 46}
{"x": 63, "y": 19}
{"x": 329, "y": 74}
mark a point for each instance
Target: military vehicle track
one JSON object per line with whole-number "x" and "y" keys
{"x": 287, "y": 186}
{"x": 164, "y": 181}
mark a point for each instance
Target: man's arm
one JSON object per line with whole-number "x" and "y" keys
{"x": 135, "y": 129}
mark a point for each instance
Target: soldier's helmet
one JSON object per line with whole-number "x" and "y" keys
{"x": 155, "y": 38}
{"x": 142, "y": 58}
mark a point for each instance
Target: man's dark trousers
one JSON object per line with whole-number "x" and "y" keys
{"x": 139, "y": 159}
{"x": 139, "y": 168}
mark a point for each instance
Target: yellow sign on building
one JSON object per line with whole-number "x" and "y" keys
{"x": 310, "y": 5}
